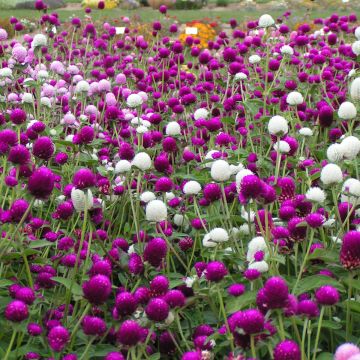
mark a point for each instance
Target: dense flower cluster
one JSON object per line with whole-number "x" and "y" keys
{"x": 180, "y": 199}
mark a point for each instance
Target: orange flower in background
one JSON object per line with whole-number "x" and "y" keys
{"x": 205, "y": 32}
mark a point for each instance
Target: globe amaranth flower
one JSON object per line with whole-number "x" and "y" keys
{"x": 93, "y": 325}
{"x": 155, "y": 251}
{"x": 346, "y": 351}
{"x": 156, "y": 211}
{"x": 276, "y": 292}
{"x": 287, "y": 350}
{"x": 327, "y": 295}
{"x": 41, "y": 183}
{"x": 16, "y": 311}
{"x": 19, "y": 154}
{"x": 125, "y": 303}
{"x": 251, "y": 321}
{"x": 114, "y": 356}
{"x": 157, "y": 309}
{"x": 58, "y": 337}
{"x": 350, "y": 250}
{"x": 43, "y": 148}
{"x": 84, "y": 178}
{"x": 97, "y": 289}
{"x": 215, "y": 271}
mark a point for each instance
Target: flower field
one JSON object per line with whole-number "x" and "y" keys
{"x": 180, "y": 192}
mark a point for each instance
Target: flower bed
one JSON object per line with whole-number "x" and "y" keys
{"x": 190, "y": 197}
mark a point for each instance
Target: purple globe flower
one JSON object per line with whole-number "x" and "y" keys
{"x": 93, "y": 325}
{"x": 350, "y": 250}
{"x": 34, "y": 329}
{"x": 16, "y": 311}
{"x": 159, "y": 285}
{"x": 157, "y": 309}
{"x": 125, "y": 303}
{"x": 43, "y": 148}
{"x": 215, "y": 271}
{"x": 327, "y": 295}
{"x": 251, "y": 321}
{"x": 19, "y": 155}
{"x": 308, "y": 308}
{"x": 175, "y": 298}
{"x": 97, "y": 289}
{"x": 130, "y": 333}
{"x": 251, "y": 186}
{"x": 114, "y": 356}
{"x": 155, "y": 251}
{"x": 276, "y": 292}
{"x": 84, "y": 178}
{"x": 236, "y": 289}
{"x": 287, "y": 350}
{"x": 41, "y": 183}
{"x": 58, "y": 337}
{"x": 18, "y": 116}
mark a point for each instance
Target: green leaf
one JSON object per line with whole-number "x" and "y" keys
{"x": 316, "y": 281}
{"x": 325, "y": 356}
{"x": 40, "y": 243}
{"x": 5, "y": 282}
{"x": 76, "y": 288}
{"x": 353, "y": 305}
{"x": 155, "y": 356}
{"x": 237, "y": 303}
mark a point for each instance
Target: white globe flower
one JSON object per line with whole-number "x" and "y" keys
{"x": 240, "y": 76}
{"x": 335, "y": 152}
{"x": 254, "y": 59}
{"x": 266, "y": 20}
{"x": 192, "y": 188}
{"x": 122, "y": 166}
{"x": 201, "y": 114}
{"x": 173, "y": 128}
{"x": 355, "y": 47}
{"x": 352, "y": 187}
{"x": 45, "y": 101}
{"x": 256, "y": 244}
{"x": 355, "y": 89}
{"x": 82, "y": 201}
{"x": 42, "y": 74}
{"x": 142, "y": 161}
{"x": 147, "y": 196}
{"x": 331, "y": 174}
{"x": 134, "y": 100}
{"x": 82, "y": 87}
{"x": 306, "y": 132}
{"x": 287, "y": 50}
{"x": 316, "y": 195}
{"x": 5, "y": 72}
{"x": 261, "y": 266}
{"x": 357, "y": 32}
{"x": 294, "y": 98}
{"x": 244, "y": 229}
{"x": 156, "y": 211}
{"x": 170, "y": 195}
{"x": 347, "y": 111}
{"x": 247, "y": 215}
{"x": 236, "y": 168}
{"x": 207, "y": 242}
{"x": 179, "y": 219}
{"x": 220, "y": 170}
{"x": 142, "y": 129}
{"x": 27, "y": 98}
{"x": 282, "y": 147}
{"x": 278, "y": 125}
{"x": 351, "y": 147}
{"x": 219, "y": 235}
{"x": 39, "y": 40}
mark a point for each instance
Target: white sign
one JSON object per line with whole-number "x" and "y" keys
{"x": 120, "y": 30}
{"x": 191, "y": 30}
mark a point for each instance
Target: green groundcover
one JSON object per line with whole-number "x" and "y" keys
{"x": 28, "y": 4}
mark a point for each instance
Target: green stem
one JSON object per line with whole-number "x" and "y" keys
{"x": 318, "y": 331}
{"x": 10, "y": 345}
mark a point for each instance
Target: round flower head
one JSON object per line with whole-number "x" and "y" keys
{"x": 282, "y": 147}
{"x": 236, "y": 289}
{"x": 260, "y": 266}
{"x": 58, "y": 337}
{"x": 351, "y": 147}
{"x": 305, "y": 131}
{"x": 142, "y": 161}
{"x": 123, "y": 166}
{"x": 84, "y": 178}
{"x": 255, "y": 245}
{"x": 147, "y": 196}
{"x": 355, "y": 89}
{"x": 355, "y": 47}
{"x": 215, "y": 271}
{"x": 220, "y": 170}
{"x": 331, "y": 174}
{"x": 93, "y": 325}
{"x": 335, "y": 152}
{"x": 114, "y": 356}
{"x": 156, "y": 210}
{"x": 240, "y": 76}
{"x": 97, "y": 289}
{"x": 82, "y": 87}
{"x": 266, "y": 20}
{"x": 347, "y": 111}
{"x": 134, "y": 100}
{"x": 39, "y": 40}
{"x": 294, "y": 98}
{"x": 254, "y": 59}
{"x": 82, "y": 201}
{"x": 41, "y": 183}
{"x": 201, "y": 114}
{"x": 278, "y": 126}
{"x": 357, "y": 32}
{"x": 327, "y": 295}
{"x": 157, "y": 309}
{"x": 191, "y": 188}
{"x": 276, "y": 292}
{"x": 351, "y": 190}
{"x": 125, "y": 303}
{"x": 19, "y": 154}
{"x": 218, "y": 235}
{"x": 287, "y": 350}
{"x": 173, "y": 128}
{"x": 350, "y": 250}
{"x": 346, "y": 351}
{"x": 287, "y": 50}
{"x": 16, "y": 311}
{"x": 316, "y": 195}
{"x": 250, "y": 186}
{"x": 192, "y": 355}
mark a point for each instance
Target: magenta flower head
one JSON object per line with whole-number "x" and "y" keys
{"x": 84, "y": 178}
{"x": 251, "y": 321}
{"x": 43, "y": 148}
{"x": 175, "y": 298}
{"x": 315, "y": 220}
{"x": 159, "y": 285}
{"x": 19, "y": 155}
{"x": 350, "y": 250}
{"x": 346, "y": 351}
{"x": 41, "y": 183}
{"x": 327, "y": 295}
{"x": 192, "y": 355}
{"x": 18, "y": 116}
{"x": 157, "y": 309}
{"x": 16, "y": 311}
{"x": 34, "y": 329}
{"x": 58, "y": 337}
{"x": 155, "y": 251}
{"x": 93, "y": 325}
{"x": 287, "y": 350}
{"x": 276, "y": 292}
{"x": 18, "y": 209}
{"x": 97, "y": 289}
{"x": 236, "y": 289}
{"x": 125, "y": 303}
{"x": 251, "y": 186}
{"x": 215, "y": 271}
{"x": 130, "y": 333}
{"x": 114, "y": 356}
{"x": 308, "y": 308}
